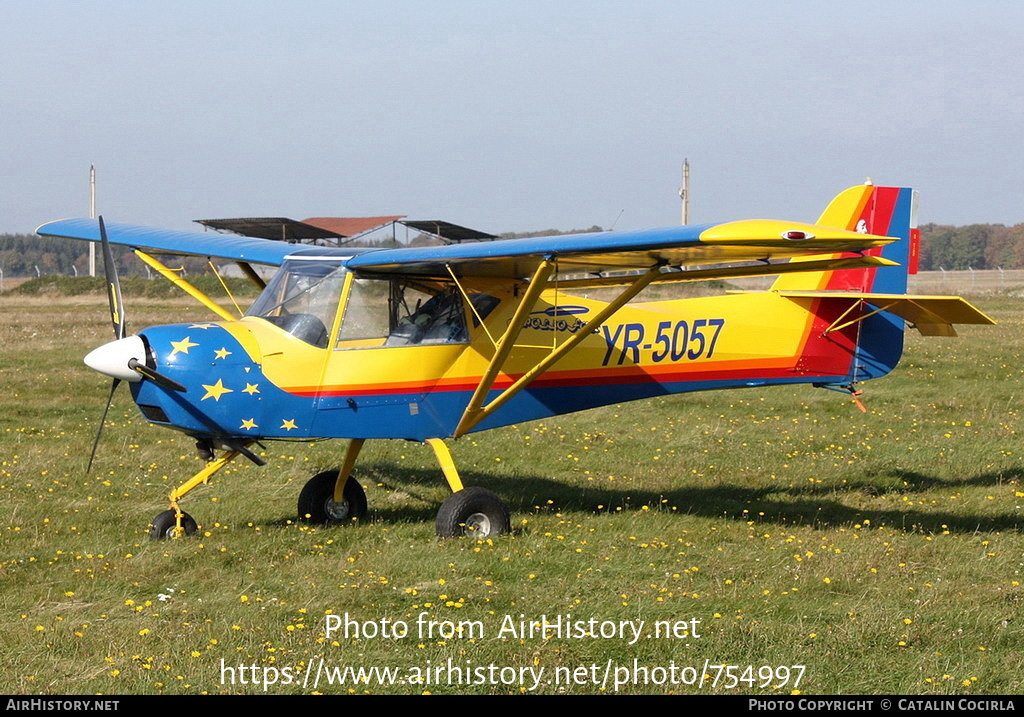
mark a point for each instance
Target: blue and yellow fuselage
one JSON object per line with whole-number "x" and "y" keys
{"x": 249, "y": 378}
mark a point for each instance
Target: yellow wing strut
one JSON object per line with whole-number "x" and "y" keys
{"x": 476, "y": 411}
{"x": 470, "y": 416}
{"x": 188, "y": 288}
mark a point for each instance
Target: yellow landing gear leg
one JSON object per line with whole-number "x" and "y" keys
{"x": 334, "y": 496}
{"x": 174, "y": 523}
{"x": 474, "y": 512}
{"x": 444, "y": 459}
{"x": 354, "y": 446}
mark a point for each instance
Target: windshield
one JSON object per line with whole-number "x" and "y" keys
{"x": 302, "y": 299}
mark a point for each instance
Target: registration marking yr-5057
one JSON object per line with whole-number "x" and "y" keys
{"x": 673, "y": 341}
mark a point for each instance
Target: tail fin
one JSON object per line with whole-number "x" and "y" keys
{"x": 875, "y": 331}
{"x": 884, "y": 211}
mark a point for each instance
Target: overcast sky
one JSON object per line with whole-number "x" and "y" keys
{"x": 507, "y": 116}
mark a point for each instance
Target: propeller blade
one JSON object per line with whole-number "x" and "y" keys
{"x": 155, "y": 376}
{"x": 113, "y": 286}
{"x": 103, "y": 420}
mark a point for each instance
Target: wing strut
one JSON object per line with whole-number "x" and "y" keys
{"x": 188, "y": 288}
{"x": 224, "y": 285}
{"x": 251, "y": 274}
{"x": 476, "y": 411}
{"x": 469, "y": 303}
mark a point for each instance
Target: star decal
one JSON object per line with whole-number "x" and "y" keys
{"x": 202, "y": 326}
{"x": 251, "y": 388}
{"x": 221, "y": 353}
{"x": 216, "y": 390}
{"x": 288, "y": 424}
{"x": 182, "y": 346}
{"x": 249, "y": 423}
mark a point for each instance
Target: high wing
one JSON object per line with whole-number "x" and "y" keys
{"x": 591, "y": 259}
{"x": 165, "y": 241}
{"x": 602, "y": 256}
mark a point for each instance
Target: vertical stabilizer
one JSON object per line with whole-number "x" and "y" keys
{"x": 883, "y": 211}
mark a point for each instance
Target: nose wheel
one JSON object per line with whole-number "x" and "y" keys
{"x": 166, "y": 524}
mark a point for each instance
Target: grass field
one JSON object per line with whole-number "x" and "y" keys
{"x": 880, "y": 551}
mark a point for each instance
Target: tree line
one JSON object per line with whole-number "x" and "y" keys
{"x": 974, "y": 246}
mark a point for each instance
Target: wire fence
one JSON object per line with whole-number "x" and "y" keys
{"x": 943, "y": 283}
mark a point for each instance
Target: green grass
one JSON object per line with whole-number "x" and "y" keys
{"x": 882, "y": 550}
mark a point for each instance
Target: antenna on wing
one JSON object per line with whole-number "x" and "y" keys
{"x": 612, "y": 227}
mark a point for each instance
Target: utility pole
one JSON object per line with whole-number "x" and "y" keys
{"x": 684, "y": 191}
{"x": 92, "y": 215}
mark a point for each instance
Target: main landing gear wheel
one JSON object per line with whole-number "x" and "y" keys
{"x": 474, "y": 512}
{"x": 165, "y": 525}
{"x": 317, "y": 504}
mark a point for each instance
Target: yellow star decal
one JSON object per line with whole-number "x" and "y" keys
{"x": 251, "y": 388}
{"x": 289, "y": 424}
{"x": 216, "y": 390}
{"x": 249, "y": 423}
{"x": 182, "y": 346}
{"x": 221, "y": 353}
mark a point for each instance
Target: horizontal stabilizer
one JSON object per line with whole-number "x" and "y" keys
{"x": 931, "y": 315}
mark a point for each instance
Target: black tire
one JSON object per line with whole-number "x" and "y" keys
{"x": 164, "y": 525}
{"x": 316, "y": 501}
{"x": 475, "y": 512}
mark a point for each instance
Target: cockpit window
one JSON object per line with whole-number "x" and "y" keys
{"x": 304, "y": 295}
{"x": 302, "y": 299}
{"x": 439, "y": 320}
{"x": 402, "y": 312}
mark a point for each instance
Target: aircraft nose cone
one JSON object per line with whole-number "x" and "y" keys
{"x": 112, "y": 359}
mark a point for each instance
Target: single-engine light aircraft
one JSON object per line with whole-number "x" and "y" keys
{"x": 432, "y": 343}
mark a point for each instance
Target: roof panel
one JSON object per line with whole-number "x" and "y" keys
{"x": 280, "y": 228}
{"x": 447, "y": 230}
{"x": 350, "y": 226}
